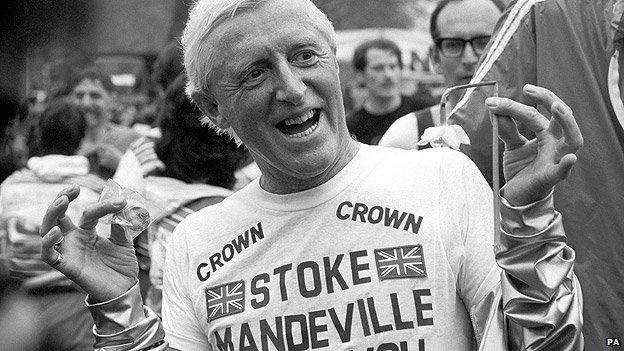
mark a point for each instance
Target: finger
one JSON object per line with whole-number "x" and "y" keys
{"x": 94, "y": 212}
{"x": 555, "y": 128}
{"x": 118, "y": 235}
{"x": 565, "y": 166}
{"x": 527, "y": 115}
{"x": 48, "y": 254}
{"x": 540, "y": 95}
{"x": 63, "y": 221}
{"x": 571, "y": 131}
{"x": 55, "y": 211}
{"x": 509, "y": 134}
{"x": 71, "y": 193}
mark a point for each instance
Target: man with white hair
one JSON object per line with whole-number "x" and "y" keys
{"x": 337, "y": 245}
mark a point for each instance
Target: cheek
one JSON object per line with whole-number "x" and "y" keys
{"x": 449, "y": 65}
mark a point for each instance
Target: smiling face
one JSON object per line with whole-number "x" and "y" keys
{"x": 465, "y": 19}
{"x": 93, "y": 98}
{"x": 275, "y": 82}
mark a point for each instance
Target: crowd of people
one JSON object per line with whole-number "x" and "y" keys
{"x": 278, "y": 221}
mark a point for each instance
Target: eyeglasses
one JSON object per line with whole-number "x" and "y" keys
{"x": 454, "y": 47}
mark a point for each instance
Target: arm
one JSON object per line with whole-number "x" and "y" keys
{"x": 106, "y": 269}
{"x": 540, "y": 297}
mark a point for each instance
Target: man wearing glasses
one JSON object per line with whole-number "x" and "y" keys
{"x": 460, "y": 30}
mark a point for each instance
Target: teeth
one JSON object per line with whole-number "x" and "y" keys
{"x": 305, "y": 132}
{"x": 300, "y": 119}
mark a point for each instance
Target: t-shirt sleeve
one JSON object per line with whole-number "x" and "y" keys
{"x": 403, "y": 133}
{"x": 180, "y": 323}
{"x": 128, "y": 173}
{"x": 468, "y": 234}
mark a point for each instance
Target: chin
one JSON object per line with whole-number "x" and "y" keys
{"x": 464, "y": 81}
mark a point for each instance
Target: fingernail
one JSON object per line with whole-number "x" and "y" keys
{"x": 560, "y": 109}
{"x": 59, "y": 201}
{"x": 491, "y": 102}
{"x": 530, "y": 89}
{"x": 118, "y": 202}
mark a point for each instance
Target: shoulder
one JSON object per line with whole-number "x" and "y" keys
{"x": 420, "y": 100}
{"x": 120, "y": 136}
{"x": 220, "y": 218}
{"x": 402, "y": 133}
{"x": 441, "y": 158}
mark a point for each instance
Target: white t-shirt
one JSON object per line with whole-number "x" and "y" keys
{"x": 393, "y": 253}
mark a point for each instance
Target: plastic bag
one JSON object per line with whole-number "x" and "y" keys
{"x": 134, "y": 217}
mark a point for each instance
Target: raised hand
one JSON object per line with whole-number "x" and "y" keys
{"x": 104, "y": 268}
{"x": 532, "y": 168}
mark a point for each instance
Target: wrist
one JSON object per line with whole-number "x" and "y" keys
{"x": 527, "y": 219}
{"x": 119, "y": 313}
{"x": 517, "y": 195}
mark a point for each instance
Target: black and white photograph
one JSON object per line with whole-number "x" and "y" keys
{"x": 291, "y": 175}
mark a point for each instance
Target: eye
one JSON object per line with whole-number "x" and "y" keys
{"x": 305, "y": 58}
{"x": 480, "y": 43}
{"x": 453, "y": 44}
{"x": 254, "y": 76}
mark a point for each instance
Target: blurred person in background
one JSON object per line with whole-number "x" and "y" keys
{"x": 569, "y": 47}
{"x": 64, "y": 322}
{"x": 378, "y": 63}
{"x": 105, "y": 142}
{"x": 460, "y": 30}
{"x": 188, "y": 168}
{"x": 10, "y": 146}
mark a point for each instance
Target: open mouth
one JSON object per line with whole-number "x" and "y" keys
{"x": 300, "y": 126}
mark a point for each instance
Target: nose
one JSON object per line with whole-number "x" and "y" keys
{"x": 390, "y": 71}
{"x": 85, "y": 100}
{"x": 290, "y": 87}
{"x": 469, "y": 56}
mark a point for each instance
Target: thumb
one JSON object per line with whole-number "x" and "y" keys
{"x": 118, "y": 235}
{"x": 565, "y": 166}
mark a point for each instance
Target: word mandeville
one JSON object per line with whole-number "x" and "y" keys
{"x": 354, "y": 321}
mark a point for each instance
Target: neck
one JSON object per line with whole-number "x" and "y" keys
{"x": 280, "y": 184}
{"x": 379, "y": 105}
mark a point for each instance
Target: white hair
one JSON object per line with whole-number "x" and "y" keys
{"x": 204, "y": 17}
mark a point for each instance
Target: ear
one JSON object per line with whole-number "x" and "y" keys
{"x": 434, "y": 59}
{"x": 209, "y": 107}
{"x": 360, "y": 78}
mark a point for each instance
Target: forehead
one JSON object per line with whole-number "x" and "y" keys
{"x": 271, "y": 25}
{"x": 378, "y": 55}
{"x": 90, "y": 85}
{"x": 468, "y": 18}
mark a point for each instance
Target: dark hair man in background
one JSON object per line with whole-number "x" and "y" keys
{"x": 567, "y": 46}
{"x": 460, "y": 30}
{"x": 379, "y": 65}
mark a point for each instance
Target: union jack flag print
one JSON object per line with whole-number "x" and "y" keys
{"x": 225, "y": 300}
{"x": 400, "y": 262}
